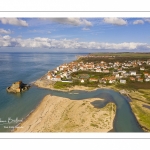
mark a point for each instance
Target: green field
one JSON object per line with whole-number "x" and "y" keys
{"x": 127, "y": 54}
{"x": 112, "y": 57}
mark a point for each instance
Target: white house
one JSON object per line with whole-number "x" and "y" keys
{"x": 55, "y": 71}
{"x": 57, "y": 68}
{"x": 117, "y": 76}
{"x": 106, "y": 71}
{"x": 49, "y": 76}
{"x": 142, "y": 68}
{"x": 57, "y": 78}
{"x": 133, "y": 73}
{"x": 82, "y": 80}
{"x": 147, "y": 79}
{"x": 65, "y": 74}
{"x": 74, "y": 70}
{"x": 112, "y": 81}
{"x": 123, "y": 81}
{"x": 98, "y": 70}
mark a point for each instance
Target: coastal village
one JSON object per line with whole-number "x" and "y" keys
{"x": 113, "y": 72}
{"x": 129, "y": 76}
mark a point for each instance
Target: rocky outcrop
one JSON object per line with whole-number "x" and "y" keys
{"x": 18, "y": 87}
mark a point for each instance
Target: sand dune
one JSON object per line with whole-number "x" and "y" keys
{"x": 57, "y": 114}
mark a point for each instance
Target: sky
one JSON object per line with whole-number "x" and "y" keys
{"x": 75, "y": 34}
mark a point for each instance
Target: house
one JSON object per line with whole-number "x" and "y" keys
{"x": 55, "y": 71}
{"x": 140, "y": 80}
{"x": 49, "y": 76}
{"x": 123, "y": 81}
{"x": 115, "y": 73}
{"x": 93, "y": 79}
{"x": 110, "y": 79}
{"x": 105, "y": 71}
{"x": 65, "y": 74}
{"x": 145, "y": 74}
{"x": 74, "y": 70}
{"x": 98, "y": 70}
{"x": 82, "y": 80}
{"x": 61, "y": 68}
{"x": 142, "y": 68}
{"x": 117, "y": 76}
{"x": 132, "y": 78}
{"x": 133, "y": 73}
{"x": 125, "y": 75}
{"x": 147, "y": 79}
{"x": 103, "y": 80}
{"x": 57, "y": 68}
{"x": 119, "y": 69}
{"x": 123, "y": 71}
{"x": 57, "y": 78}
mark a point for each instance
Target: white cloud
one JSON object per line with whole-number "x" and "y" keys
{"x": 85, "y": 29}
{"x": 115, "y": 21}
{"x": 2, "y": 31}
{"x": 38, "y": 42}
{"x": 14, "y": 21}
{"x": 138, "y": 22}
{"x": 71, "y": 21}
{"x": 147, "y": 20}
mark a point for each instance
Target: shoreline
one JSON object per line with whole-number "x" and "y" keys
{"x": 85, "y": 89}
{"x": 81, "y": 88}
{"x": 130, "y": 101}
{"x": 50, "y": 116}
{"x": 121, "y": 91}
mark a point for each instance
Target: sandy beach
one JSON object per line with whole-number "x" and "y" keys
{"x": 57, "y": 114}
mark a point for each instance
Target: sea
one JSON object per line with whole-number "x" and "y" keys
{"x": 30, "y": 66}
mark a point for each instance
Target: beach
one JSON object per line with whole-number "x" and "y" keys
{"x": 58, "y": 114}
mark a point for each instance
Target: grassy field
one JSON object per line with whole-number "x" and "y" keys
{"x": 62, "y": 85}
{"x": 134, "y": 85}
{"x": 139, "y": 97}
{"x": 127, "y": 54}
{"x": 142, "y": 114}
{"x": 121, "y": 57}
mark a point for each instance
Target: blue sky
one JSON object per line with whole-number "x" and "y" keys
{"x": 75, "y": 34}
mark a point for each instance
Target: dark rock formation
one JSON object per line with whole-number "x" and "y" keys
{"x": 18, "y": 87}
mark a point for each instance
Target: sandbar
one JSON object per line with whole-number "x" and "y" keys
{"x": 59, "y": 114}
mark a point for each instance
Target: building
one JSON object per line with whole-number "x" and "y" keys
{"x": 140, "y": 80}
{"x": 93, "y": 80}
{"x": 147, "y": 79}
{"x": 49, "y": 76}
{"x": 142, "y": 68}
{"x": 82, "y": 80}
{"x": 57, "y": 78}
{"x": 132, "y": 78}
{"x": 123, "y": 81}
{"x": 98, "y": 70}
{"x": 105, "y": 71}
{"x": 133, "y": 73}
